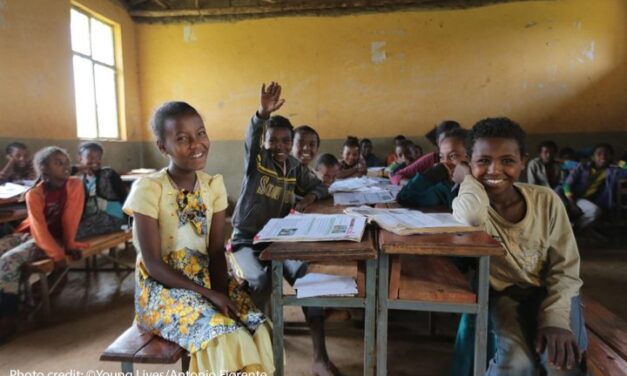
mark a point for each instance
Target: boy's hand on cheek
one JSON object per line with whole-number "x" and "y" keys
{"x": 560, "y": 345}
{"x": 460, "y": 172}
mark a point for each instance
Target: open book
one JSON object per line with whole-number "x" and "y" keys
{"x": 363, "y": 191}
{"x": 353, "y": 184}
{"x": 409, "y": 222}
{"x": 312, "y": 228}
{"x": 372, "y": 196}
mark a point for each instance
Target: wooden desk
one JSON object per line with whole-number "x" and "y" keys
{"x": 474, "y": 244}
{"x": 339, "y": 252}
{"x": 12, "y": 209}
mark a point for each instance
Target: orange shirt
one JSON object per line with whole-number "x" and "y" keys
{"x": 37, "y": 225}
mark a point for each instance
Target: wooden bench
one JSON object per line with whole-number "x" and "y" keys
{"x": 134, "y": 346}
{"x": 42, "y": 268}
{"x": 607, "y": 340}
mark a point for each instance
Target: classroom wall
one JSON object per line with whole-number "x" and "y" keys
{"x": 556, "y": 67}
{"x": 36, "y": 78}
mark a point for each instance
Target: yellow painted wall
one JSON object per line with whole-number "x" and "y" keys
{"x": 554, "y": 66}
{"x": 36, "y": 79}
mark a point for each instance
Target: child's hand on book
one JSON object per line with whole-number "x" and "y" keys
{"x": 270, "y": 99}
{"x": 561, "y": 346}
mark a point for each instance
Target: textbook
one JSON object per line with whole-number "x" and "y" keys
{"x": 363, "y": 191}
{"x": 410, "y": 222}
{"x": 312, "y": 228}
{"x": 353, "y": 184}
{"x": 369, "y": 197}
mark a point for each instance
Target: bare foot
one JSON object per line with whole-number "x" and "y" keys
{"x": 322, "y": 368}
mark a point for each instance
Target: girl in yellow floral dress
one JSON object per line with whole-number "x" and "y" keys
{"x": 183, "y": 292}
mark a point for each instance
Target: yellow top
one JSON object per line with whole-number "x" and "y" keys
{"x": 155, "y": 197}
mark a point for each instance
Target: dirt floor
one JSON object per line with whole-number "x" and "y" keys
{"x": 94, "y": 308}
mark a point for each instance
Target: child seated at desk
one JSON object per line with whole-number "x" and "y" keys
{"x": 104, "y": 193}
{"x": 428, "y": 160}
{"x": 54, "y": 206}
{"x": 391, "y": 158}
{"x": 327, "y": 168}
{"x": 19, "y": 166}
{"x": 545, "y": 169}
{"x": 272, "y": 178}
{"x": 437, "y": 185}
{"x": 405, "y": 155}
{"x": 306, "y": 144}
{"x": 352, "y": 164}
{"x": 365, "y": 148}
{"x": 591, "y": 186}
{"x": 535, "y": 308}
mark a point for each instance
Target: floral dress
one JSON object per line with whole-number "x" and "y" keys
{"x": 216, "y": 343}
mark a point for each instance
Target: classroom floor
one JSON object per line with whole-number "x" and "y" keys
{"x": 94, "y": 309}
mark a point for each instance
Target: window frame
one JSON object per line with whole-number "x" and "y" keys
{"x": 94, "y": 62}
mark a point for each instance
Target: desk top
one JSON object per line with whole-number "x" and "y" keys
{"x": 470, "y": 244}
{"x": 323, "y": 251}
{"x": 325, "y": 207}
{"x": 11, "y": 201}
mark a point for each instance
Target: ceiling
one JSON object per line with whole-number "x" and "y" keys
{"x": 150, "y": 11}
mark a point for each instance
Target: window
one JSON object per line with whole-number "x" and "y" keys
{"x": 95, "y": 75}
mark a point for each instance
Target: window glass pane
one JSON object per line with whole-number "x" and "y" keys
{"x": 106, "y": 102}
{"x": 102, "y": 42}
{"x": 80, "y": 32}
{"x": 84, "y": 98}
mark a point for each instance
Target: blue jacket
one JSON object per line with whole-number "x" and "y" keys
{"x": 578, "y": 182}
{"x": 429, "y": 189}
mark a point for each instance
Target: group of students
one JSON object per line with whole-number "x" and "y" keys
{"x": 586, "y": 185}
{"x": 66, "y": 204}
{"x": 211, "y": 302}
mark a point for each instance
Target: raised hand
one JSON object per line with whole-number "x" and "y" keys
{"x": 270, "y": 99}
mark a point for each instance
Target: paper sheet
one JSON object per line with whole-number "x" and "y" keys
{"x": 9, "y": 190}
{"x": 317, "y": 284}
{"x": 363, "y": 198}
{"x": 352, "y": 184}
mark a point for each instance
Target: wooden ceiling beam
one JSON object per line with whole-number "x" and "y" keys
{"x": 135, "y": 3}
{"x": 162, "y": 4}
{"x": 274, "y": 8}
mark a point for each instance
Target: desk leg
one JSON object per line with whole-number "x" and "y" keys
{"x": 369, "y": 320}
{"x": 277, "y": 316}
{"x": 382, "y": 315}
{"x": 481, "y": 327}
